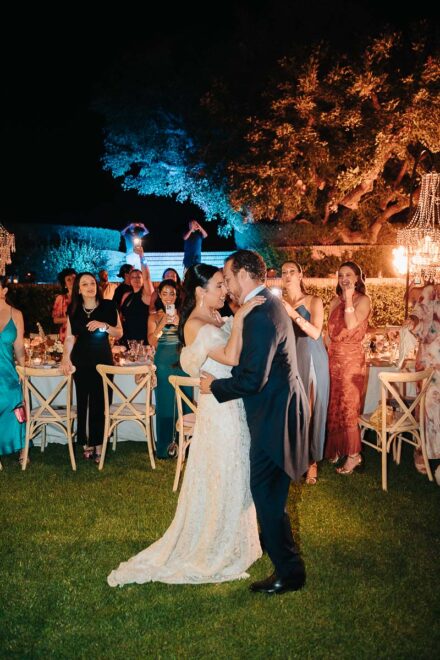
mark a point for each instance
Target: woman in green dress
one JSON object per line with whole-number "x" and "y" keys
{"x": 12, "y": 436}
{"x": 162, "y": 335}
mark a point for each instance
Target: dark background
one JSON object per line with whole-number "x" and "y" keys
{"x": 51, "y": 138}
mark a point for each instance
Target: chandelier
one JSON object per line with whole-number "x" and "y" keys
{"x": 422, "y": 235}
{"x": 7, "y": 245}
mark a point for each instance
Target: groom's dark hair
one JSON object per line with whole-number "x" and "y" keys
{"x": 252, "y": 262}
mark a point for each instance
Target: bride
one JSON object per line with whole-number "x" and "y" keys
{"x": 213, "y": 536}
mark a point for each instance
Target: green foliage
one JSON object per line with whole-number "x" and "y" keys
{"x": 340, "y": 138}
{"x": 35, "y": 301}
{"x": 47, "y": 259}
{"x": 27, "y": 235}
{"x": 372, "y": 575}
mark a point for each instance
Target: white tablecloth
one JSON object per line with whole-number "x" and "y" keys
{"x": 373, "y": 394}
{"x": 126, "y": 430}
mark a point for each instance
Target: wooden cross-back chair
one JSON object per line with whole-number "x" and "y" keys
{"x": 43, "y": 410}
{"x": 125, "y": 408}
{"x": 393, "y": 432}
{"x": 185, "y": 422}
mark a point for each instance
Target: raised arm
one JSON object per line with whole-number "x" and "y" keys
{"x": 148, "y": 288}
{"x": 312, "y": 328}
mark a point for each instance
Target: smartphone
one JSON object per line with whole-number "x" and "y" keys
{"x": 136, "y": 241}
{"x": 170, "y": 310}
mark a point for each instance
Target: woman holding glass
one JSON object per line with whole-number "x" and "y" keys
{"x": 91, "y": 321}
{"x": 347, "y": 325}
{"x": 134, "y": 304}
{"x": 307, "y": 314}
{"x": 162, "y": 335}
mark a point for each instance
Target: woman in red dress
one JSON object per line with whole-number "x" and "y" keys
{"x": 347, "y": 325}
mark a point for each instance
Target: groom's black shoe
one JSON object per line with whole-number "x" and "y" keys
{"x": 277, "y": 585}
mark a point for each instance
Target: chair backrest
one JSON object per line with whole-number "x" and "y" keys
{"x": 389, "y": 380}
{"x": 183, "y": 381}
{"x": 40, "y": 405}
{"x": 125, "y": 399}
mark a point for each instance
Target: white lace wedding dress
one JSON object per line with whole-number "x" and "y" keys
{"x": 214, "y": 535}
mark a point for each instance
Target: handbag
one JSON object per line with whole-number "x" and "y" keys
{"x": 20, "y": 413}
{"x": 376, "y": 416}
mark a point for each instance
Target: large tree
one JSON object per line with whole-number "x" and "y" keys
{"x": 338, "y": 140}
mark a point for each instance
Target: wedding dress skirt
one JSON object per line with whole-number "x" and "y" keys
{"x": 213, "y": 536}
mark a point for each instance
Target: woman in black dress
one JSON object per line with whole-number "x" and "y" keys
{"x": 134, "y": 305}
{"x": 91, "y": 321}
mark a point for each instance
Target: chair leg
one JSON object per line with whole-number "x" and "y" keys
{"x": 43, "y": 438}
{"x": 384, "y": 463}
{"x": 180, "y": 454}
{"x": 115, "y": 438}
{"x": 425, "y": 454}
{"x": 1, "y": 466}
{"x": 150, "y": 443}
{"x": 70, "y": 445}
{"x": 104, "y": 443}
{"x": 153, "y": 437}
{"x": 26, "y": 449}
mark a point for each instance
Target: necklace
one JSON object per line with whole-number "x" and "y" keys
{"x": 88, "y": 311}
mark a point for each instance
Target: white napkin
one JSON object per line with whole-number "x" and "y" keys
{"x": 407, "y": 345}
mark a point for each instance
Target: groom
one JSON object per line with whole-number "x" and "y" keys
{"x": 267, "y": 380}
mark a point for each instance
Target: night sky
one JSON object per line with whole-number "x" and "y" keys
{"x": 51, "y": 138}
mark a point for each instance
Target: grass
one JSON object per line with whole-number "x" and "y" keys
{"x": 372, "y": 561}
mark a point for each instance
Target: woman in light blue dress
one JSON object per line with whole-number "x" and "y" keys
{"x": 12, "y": 434}
{"x": 307, "y": 314}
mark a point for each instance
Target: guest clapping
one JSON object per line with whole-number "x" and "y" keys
{"x": 347, "y": 325}
{"x": 59, "y": 312}
{"x": 162, "y": 334}
{"x": 134, "y": 305}
{"x": 12, "y": 436}
{"x": 91, "y": 320}
{"x": 307, "y": 314}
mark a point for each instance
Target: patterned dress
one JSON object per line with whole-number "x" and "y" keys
{"x": 427, "y": 330}
{"x": 347, "y": 380}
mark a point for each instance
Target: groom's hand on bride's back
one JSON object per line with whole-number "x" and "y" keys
{"x": 205, "y": 382}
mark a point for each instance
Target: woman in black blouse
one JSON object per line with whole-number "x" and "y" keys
{"x": 91, "y": 321}
{"x": 135, "y": 305}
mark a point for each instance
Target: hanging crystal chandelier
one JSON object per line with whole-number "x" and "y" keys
{"x": 7, "y": 245}
{"x": 422, "y": 235}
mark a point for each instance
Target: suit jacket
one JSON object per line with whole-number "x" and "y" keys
{"x": 267, "y": 380}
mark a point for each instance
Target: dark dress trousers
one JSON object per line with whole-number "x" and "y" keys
{"x": 277, "y": 412}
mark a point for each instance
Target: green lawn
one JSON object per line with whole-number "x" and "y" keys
{"x": 373, "y": 558}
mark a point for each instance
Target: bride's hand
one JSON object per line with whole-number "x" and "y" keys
{"x": 244, "y": 310}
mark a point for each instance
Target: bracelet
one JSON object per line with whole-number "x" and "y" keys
{"x": 299, "y": 320}
{"x": 349, "y": 310}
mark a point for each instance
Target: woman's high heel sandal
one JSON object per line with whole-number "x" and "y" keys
{"x": 312, "y": 475}
{"x": 357, "y": 466}
{"x": 88, "y": 452}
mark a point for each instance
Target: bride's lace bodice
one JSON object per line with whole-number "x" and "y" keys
{"x": 194, "y": 357}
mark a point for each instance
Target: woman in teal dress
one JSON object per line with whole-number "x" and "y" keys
{"x": 162, "y": 335}
{"x": 12, "y": 432}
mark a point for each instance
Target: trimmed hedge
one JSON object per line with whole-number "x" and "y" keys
{"x": 36, "y": 301}
{"x": 30, "y": 234}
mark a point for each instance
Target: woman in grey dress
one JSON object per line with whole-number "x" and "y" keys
{"x": 307, "y": 314}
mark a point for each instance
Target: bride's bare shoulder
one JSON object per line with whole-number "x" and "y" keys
{"x": 191, "y": 329}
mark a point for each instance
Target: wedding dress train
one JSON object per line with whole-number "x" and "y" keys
{"x": 213, "y": 536}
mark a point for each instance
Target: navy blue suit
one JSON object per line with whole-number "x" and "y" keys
{"x": 267, "y": 380}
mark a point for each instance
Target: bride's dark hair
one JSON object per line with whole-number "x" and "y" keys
{"x": 198, "y": 275}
